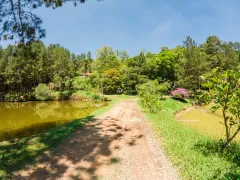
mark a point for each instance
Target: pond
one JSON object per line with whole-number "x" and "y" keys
{"x": 27, "y": 118}
{"x": 203, "y": 122}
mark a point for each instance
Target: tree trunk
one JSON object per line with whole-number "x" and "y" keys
{"x": 229, "y": 140}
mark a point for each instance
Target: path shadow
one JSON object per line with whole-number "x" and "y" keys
{"x": 84, "y": 152}
{"x": 180, "y": 99}
{"x": 15, "y": 154}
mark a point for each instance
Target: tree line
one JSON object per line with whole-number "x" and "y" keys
{"x": 24, "y": 67}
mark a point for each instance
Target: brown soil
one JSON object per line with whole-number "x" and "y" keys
{"x": 117, "y": 146}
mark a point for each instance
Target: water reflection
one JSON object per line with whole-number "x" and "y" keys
{"x": 24, "y": 119}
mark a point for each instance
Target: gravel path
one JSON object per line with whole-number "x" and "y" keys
{"x": 117, "y": 146}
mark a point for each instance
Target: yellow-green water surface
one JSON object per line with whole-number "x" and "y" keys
{"x": 27, "y": 118}
{"x": 203, "y": 122}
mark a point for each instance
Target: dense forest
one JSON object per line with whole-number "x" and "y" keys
{"x": 23, "y": 68}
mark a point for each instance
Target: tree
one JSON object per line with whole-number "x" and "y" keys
{"x": 42, "y": 92}
{"x": 163, "y": 65}
{"x": 108, "y": 62}
{"x": 111, "y": 81}
{"x": 18, "y": 22}
{"x": 193, "y": 65}
{"x": 89, "y": 61}
{"x": 134, "y": 72}
{"x": 221, "y": 54}
{"x": 212, "y": 45}
{"x": 164, "y": 48}
{"x": 103, "y": 52}
{"x": 224, "y": 91}
{"x": 61, "y": 68}
{"x": 150, "y": 93}
{"x": 122, "y": 55}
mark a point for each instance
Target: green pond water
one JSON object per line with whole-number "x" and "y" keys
{"x": 203, "y": 122}
{"x": 27, "y": 118}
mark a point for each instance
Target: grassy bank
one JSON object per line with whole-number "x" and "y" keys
{"x": 195, "y": 156}
{"x": 14, "y": 155}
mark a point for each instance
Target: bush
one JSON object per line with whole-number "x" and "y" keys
{"x": 81, "y": 83}
{"x": 61, "y": 95}
{"x": 150, "y": 94}
{"x": 42, "y": 92}
{"x": 11, "y": 97}
{"x": 179, "y": 93}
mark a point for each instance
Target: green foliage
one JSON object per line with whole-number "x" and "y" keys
{"x": 150, "y": 93}
{"x": 20, "y": 23}
{"x": 110, "y": 61}
{"x": 81, "y": 83}
{"x": 62, "y": 67}
{"x": 23, "y": 67}
{"x": 133, "y": 72}
{"x": 103, "y": 52}
{"x": 192, "y": 66}
{"x": 222, "y": 55}
{"x": 62, "y": 95}
{"x": 224, "y": 91}
{"x": 111, "y": 81}
{"x": 86, "y": 95}
{"x": 122, "y": 55}
{"x": 11, "y": 97}
{"x": 163, "y": 65}
{"x": 42, "y": 92}
{"x": 163, "y": 88}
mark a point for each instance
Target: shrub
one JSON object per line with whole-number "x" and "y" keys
{"x": 81, "y": 83}
{"x": 11, "y": 97}
{"x": 179, "y": 93}
{"x": 42, "y": 92}
{"x": 61, "y": 95}
{"x": 150, "y": 94}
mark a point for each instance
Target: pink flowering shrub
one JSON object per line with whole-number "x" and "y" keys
{"x": 179, "y": 93}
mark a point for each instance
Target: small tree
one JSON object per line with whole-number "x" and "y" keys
{"x": 224, "y": 91}
{"x": 42, "y": 92}
{"x": 111, "y": 81}
{"x": 150, "y": 93}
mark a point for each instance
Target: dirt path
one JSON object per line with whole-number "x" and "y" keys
{"x": 117, "y": 146}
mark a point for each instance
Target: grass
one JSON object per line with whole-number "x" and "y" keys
{"x": 194, "y": 155}
{"x": 16, "y": 154}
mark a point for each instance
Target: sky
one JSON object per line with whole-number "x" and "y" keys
{"x": 134, "y": 25}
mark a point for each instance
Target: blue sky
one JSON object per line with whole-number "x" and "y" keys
{"x": 133, "y": 25}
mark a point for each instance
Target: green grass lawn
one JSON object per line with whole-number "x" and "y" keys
{"x": 195, "y": 156}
